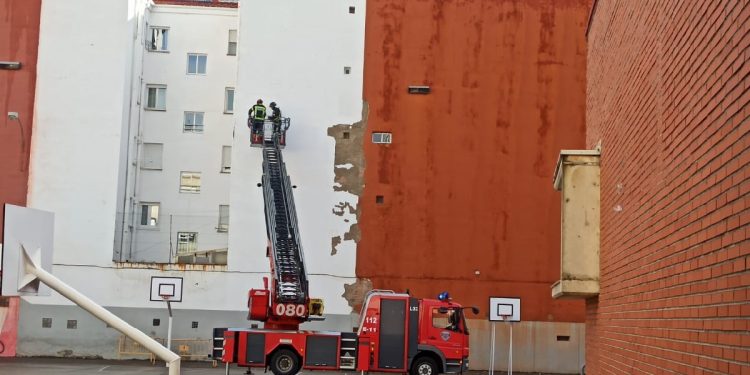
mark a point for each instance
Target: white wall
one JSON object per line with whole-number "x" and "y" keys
{"x": 82, "y": 75}
{"x": 304, "y": 48}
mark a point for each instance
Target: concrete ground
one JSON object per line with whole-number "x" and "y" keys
{"x": 63, "y": 366}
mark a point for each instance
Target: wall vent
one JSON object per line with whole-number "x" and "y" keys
{"x": 421, "y": 90}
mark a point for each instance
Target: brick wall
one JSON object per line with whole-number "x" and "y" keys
{"x": 669, "y": 96}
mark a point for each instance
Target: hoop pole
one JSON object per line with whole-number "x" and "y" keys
{"x": 492, "y": 351}
{"x": 510, "y": 352}
{"x": 172, "y": 359}
{"x": 169, "y": 327}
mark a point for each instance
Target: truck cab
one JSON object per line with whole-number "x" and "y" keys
{"x": 401, "y": 333}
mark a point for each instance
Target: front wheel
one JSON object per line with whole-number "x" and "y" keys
{"x": 285, "y": 362}
{"x": 424, "y": 366}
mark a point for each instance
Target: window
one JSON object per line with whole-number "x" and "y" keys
{"x": 444, "y": 318}
{"x": 190, "y": 182}
{"x": 72, "y": 324}
{"x": 187, "y": 242}
{"x": 226, "y": 159}
{"x": 196, "y": 63}
{"x": 232, "y": 48}
{"x": 381, "y": 137}
{"x": 149, "y": 214}
{"x": 223, "y": 219}
{"x": 158, "y": 39}
{"x": 46, "y": 322}
{"x": 193, "y": 122}
{"x": 151, "y": 156}
{"x": 156, "y": 97}
{"x": 229, "y": 100}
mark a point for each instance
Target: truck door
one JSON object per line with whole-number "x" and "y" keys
{"x": 392, "y": 346}
{"x": 445, "y": 331}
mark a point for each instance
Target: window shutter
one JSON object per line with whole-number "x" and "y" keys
{"x": 152, "y": 155}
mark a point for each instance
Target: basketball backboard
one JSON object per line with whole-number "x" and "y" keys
{"x": 27, "y": 238}
{"x": 505, "y": 309}
{"x": 166, "y": 289}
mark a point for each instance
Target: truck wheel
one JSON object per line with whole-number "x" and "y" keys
{"x": 424, "y": 366}
{"x": 284, "y": 362}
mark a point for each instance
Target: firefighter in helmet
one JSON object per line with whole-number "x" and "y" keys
{"x": 275, "y": 117}
{"x": 257, "y": 114}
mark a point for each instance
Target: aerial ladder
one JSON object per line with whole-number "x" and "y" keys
{"x": 285, "y": 303}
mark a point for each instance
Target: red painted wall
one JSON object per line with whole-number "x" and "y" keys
{"x": 467, "y": 181}
{"x": 669, "y": 96}
{"x": 19, "y": 39}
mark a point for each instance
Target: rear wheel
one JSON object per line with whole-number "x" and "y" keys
{"x": 284, "y": 362}
{"x": 424, "y": 366}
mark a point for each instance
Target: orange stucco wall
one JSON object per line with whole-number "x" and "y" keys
{"x": 19, "y": 38}
{"x": 468, "y": 204}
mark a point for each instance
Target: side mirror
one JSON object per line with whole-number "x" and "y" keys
{"x": 475, "y": 310}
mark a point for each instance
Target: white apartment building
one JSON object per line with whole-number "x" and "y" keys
{"x": 131, "y": 129}
{"x": 176, "y": 206}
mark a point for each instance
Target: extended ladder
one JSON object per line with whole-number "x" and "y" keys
{"x": 281, "y": 223}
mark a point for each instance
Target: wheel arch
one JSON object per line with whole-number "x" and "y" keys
{"x": 280, "y": 347}
{"x": 432, "y": 352}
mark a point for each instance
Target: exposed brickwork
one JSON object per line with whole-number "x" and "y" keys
{"x": 669, "y": 96}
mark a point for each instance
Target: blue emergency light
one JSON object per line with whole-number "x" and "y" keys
{"x": 444, "y": 296}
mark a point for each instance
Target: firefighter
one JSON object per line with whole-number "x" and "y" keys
{"x": 275, "y": 117}
{"x": 452, "y": 320}
{"x": 257, "y": 114}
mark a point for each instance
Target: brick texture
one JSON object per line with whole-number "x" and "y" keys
{"x": 669, "y": 97}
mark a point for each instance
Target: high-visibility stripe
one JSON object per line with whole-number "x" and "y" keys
{"x": 259, "y": 112}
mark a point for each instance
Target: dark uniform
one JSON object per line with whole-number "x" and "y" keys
{"x": 275, "y": 117}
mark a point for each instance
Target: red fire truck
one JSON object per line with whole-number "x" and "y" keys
{"x": 396, "y": 332}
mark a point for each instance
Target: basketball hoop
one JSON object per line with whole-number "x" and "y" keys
{"x": 503, "y": 310}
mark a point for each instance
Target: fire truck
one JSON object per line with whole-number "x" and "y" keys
{"x": 396, "y": 332}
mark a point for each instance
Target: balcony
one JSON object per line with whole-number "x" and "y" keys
{"x": 577, "y": 178}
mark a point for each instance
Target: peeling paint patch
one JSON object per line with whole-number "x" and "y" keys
{"x": 349, "y": 152}
{"x": 349, "y": 167}
{"x": 353, "y": 234}
{"x": 335, "y": 241}
{"x": 355, "y": 293}
{"x": 341, "y": 208}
